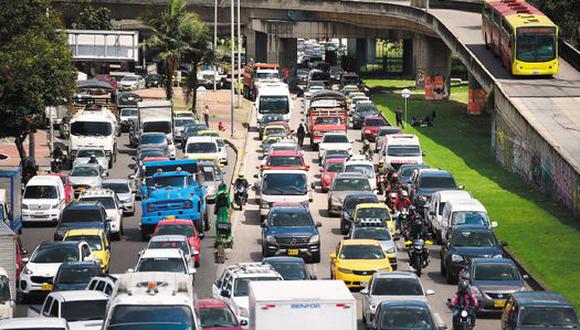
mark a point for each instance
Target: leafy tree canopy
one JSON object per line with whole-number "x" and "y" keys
{"x": 91, "y": 18}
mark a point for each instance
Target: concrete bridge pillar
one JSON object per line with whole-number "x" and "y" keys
{"x": 431, "y": 55}
{"x": 256, "y": 43}
{"x": 282, "y": 51}
{"x": 371, "y": 52}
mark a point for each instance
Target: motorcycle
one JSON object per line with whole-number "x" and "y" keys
{"x": 381, "y": 184}
{"x": 56, "y": 165}
{"x": 418, "y": 254}
{"x": 463, "y": 317}
{"x": 241, "y": 195}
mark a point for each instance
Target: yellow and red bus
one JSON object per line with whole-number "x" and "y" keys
{"x": 525, "y": 39}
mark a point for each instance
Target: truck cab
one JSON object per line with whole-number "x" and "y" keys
{"x": 326, "y": 113}
{"x": 155, "y": 117}
{"x": 94, "y": 129}
{"x": 275, "y": 100}
{"x": 401, "y": 149}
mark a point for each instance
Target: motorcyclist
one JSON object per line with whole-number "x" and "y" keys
{"x": 241, "y": 182}
{"x": 394, "y": 185}
{"x": 93, "y": 160}
{"x": 463, "y": 299}
{"x": 222, "y": 204}
{"x": 381, "y": 168}
{"x": 366, "y": 149}
{"x": 404, "y": 200}
{"x": 57, "y": 155}
{"x": 419, "y": 230}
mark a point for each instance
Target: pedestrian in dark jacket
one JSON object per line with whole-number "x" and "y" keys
{"x": 399, "y": 117}
{"x": 300, "y": 134}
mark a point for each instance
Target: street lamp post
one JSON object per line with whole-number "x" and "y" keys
{"x": 232, "y": 70}
{"x": 239, "y": 56}
{"x": 405, "y": 93}
{"x": 215, "y": 12}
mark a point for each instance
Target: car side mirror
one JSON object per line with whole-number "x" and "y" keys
{"x": 461, "y": 187}
{"x": 429, "y": 292}
{"x": 244, "y": 323}
{"x": 50, "y": 281}
{"x": 313, "y": 277}
{"x": 423, "y": 154}
{"x": 318, "y": 224}
{"x": 225, "y": 293}
{"x": 503, "y": 243}
{"x": 24, "y": 252}
{"x": 364, "y": 291}
{"x": 25, "y": 259}
{"x": 332, "y": 256}
{"x": 494, "y": 224}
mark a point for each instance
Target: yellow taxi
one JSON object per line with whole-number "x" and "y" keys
{"x": 97, "y": 240}
{"x": 208, "y": 133}
{"x": 375, "y": 212}
{"x": 356, "y": 260}
{"x": 274, "y": 131}
{"x": 351, "y": 95}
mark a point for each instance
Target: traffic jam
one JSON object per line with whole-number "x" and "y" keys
{"x": 334, "y": 220}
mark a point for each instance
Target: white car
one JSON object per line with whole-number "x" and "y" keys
{"x": 27, "y": 323}
{"x": 126, "y": 116}
{"x": 131, "y": 83}
{"x": 365, "y": 167}
{"x": 173, "y": 242}
{"x": 400, "y": 149}
{"x": 202, "y": 148}
{"x": 83, "y": 156}
{"x": 179, "y": 124}
{"x": 434, "y": 209}
{"x": 112, "y": 205}
{"x": 44, "y": 263}
{"x": 164, "y": 260}
{"x": 122, "y": 187}
{"x": 43, "y": 199}
{"x": 233, "y": 285}
{"x": 334, "y": 141}
{"x": 223, "y": 151}
{"x": 86, "y": 176}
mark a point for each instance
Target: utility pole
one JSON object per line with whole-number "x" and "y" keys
{"x": 215, "y": 12}
{"x": 232, "y": 70}
{"x": 239, "y": 56}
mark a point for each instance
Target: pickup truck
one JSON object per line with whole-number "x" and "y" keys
{"x": 326, "y": 113}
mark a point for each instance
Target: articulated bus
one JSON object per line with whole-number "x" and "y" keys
{"x": 525, "y": 40}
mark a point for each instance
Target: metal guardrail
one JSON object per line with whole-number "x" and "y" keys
{"x": 570, "y": 54}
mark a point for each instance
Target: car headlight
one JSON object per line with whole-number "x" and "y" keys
{"x": 314, "y": 239}
{"x": 271, "y": 239}
{"x": 344, "y": 270}
{"x": 243, "y": 312}
{"x": 27, "y": 271}
{"x": 391, "y": 250}
{"x": 497, "y": 256}
{"x": 456, "y": 258}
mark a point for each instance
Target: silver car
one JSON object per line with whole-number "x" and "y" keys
{"x": 344, "y": 184}
{"x": 83, "y": 156}
{"x": 391, "y": 286}
{"x": 213, "y": 177}
{"x": 86, "y": 176}
{"x": 122, "y": 187}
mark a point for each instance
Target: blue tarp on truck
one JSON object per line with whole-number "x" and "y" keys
{"x": 11, "y": 183}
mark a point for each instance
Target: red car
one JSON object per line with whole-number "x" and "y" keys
{"x": 69, "y": 192}
{"x": 371, "y": 126}
{"x": 108, "y": 79}
{"x": 331, "y": 167}
{"x": 284, "y": 160}
{"x": 181, "y": 227}
{"x": 216, "y": 314}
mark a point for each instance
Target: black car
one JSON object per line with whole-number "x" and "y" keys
{"x": 291, "y": 268}
{"x": 191, "y": 130}
{"x": 426, "y": 182}
{"x": 290, "y": 230}
{"x": 349, "y": 204}
{"x": 361, "y": 111}
{"x": 153, "y": 80}
{"x": 75, "y": 275}
{"x": 82, "y": 215}
{"x": 406, "y": 314}
{"x": 538, "y": 310}
{"x": 405, "y": 171}
{"x": 467, "y": 242}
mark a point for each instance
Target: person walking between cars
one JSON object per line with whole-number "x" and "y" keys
{"x": 205, "y": 114}
{"x": 399, "y": 117}
{"x": 300, "y": 134}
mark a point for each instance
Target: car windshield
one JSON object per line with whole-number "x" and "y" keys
{"x": 182, "y": 245}
{"x": 403, "y": 151}
{"x": 284, "y": 161}
{"x": 373, "y": 213}
{"x": 407, "y": 171}
{"x": 351, "y": 203}
{"x": 81, "y": 215}
{"x": 275, "y": 131}
{"x": 118, "y": 188}
{"x": 469, "y": 218}
{"x": 91, "y": 128}
{"x": 94, "y": 241}
{"x": 375, "y": 122}
{"x": 172, "y": 265}
{"x": 364, "y": 108}
{"x": 157, "y": 126}
{"x": 87, "y": 153}
{"x": 208, "y": 176}
{"x": 84, "y": 171}
{"x": 266, "y": 75}
{"x": 75, "y": 275}
{"x": 241, "y": 286}
{"x": 282, "y": 217}
{"x": 376, "y": 233}
{"x": 128, "y": 112}
{"x": 180, "y": 122}
{"x": 367, "y": 170}
{"x": 327, "y": 121}
{"x": 445, "y": 182}
{"x": 548, "y": 317}
{"x": 107, "y": 202}
{"x": 284, "y": 184}
{"x": 393, "y": 286}
{"x": 201, "y": 148}
{"x": 335, "y": 167}
{"x": 151, "y": 317}
{"x": 354, "y": 184}
{"x": 475, "y": 239}
{"x": 274, "y": 105}
{"x": 362, "y": 251}
{"x": 151, "y": 153}
{"x": 170, "y": 181}
{"x": 335, "y": 138}
{"x": 290, "y": 270}
{"x": 153, "y": 139}
{"x": 56, "y": 254}
{"x": 40, "y": 192}
{"x": 4, "y": 289}
{"x": 129, "y": 78}
{"x": 536, "y": 44}
{"x": 217, "y": 318}
{"x": 175, "y": 230}
{"x": 496, "y": 272}
{"x": 84, "y": 310}
{"x": 406, "y": 318}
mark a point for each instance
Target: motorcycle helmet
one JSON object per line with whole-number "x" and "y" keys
{"x": 240, "y": 175}
{"x": 463, "y": 286}
{"x": 395, "y": 177}
{"x": 404, "y": 194}
{"x": 381, "y": 162}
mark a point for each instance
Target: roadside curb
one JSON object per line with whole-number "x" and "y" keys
{"x": 534, "y": 283}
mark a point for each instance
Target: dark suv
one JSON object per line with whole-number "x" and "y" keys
{"x": 290, "y": 230}
{"x": 82, "y": 215}
{"x": 538, "y": 310}
{"x": 425, "y": 182}
{"x": 349, "y": 204}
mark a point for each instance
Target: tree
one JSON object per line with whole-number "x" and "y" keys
{"x": 36, "y": 69}
{"x": 565, "y": 14}
{"x": 91, "y": 18}
{"x": 174, "y": 34}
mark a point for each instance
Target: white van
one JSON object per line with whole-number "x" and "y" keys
{"x": 401, "y": 149}
{"x": 458, "y": 212}
{"x": 282, "y": 186}
{"x": 94, "y": 129}
{"x": 434, "y": 209}
{"x": 43, "y": 199}
{"x": 273, "y": 100}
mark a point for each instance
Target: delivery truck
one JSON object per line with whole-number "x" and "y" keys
{"x": 11, "y": 197}
{"x": 304, "y": 305}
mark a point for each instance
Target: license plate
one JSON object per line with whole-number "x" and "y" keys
{"x": 293, "y": 252}
{"x": 499, "y": 303}
{"x": 364, "y": 283}
{"x": 536, "y": 72}
{"x": 46, "y": 287}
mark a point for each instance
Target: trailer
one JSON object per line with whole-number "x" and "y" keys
{"x": 11, "y": 198}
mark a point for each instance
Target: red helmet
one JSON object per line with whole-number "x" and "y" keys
{"x": 395, "y": 176}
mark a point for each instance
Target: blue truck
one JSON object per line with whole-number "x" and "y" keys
{"x": 175, "y": 193}
{"x": 11, "y": 197}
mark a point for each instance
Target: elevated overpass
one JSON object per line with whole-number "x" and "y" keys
{"x": 536, "y": 122}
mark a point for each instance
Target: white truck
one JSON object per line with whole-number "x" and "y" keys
{"x": 304, "y": 305}
{"x": 7, "y": 271}
{"x": 94, "y": 129}
{"x": 156, "y": 116}
{"x": 273, "y": 99}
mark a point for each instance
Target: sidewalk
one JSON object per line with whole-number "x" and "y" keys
{"x": 42, "y": 152}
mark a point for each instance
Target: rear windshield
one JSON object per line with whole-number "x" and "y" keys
{"x": 201, "y": 148}
{"x": 284, "y": 161}
{"x": 40, "y": 192}
{"x": 118, "y": 188}
{"x": 335, "y": 139}
{"x": 157, "y": 126}
{"x": 375, "y": 122}
{"x": 151, "y": 317}
{"x": 86, "y": 153}
{"x": 172, "y": 265}
{"x": 496, "y": 272}
{"x": 335, "y": 167}
{"x": 284, "y": 184}
{"x": 403, "y": 151}
{"x": 397, "y": 287}
{"x": 437, "y": 182}
{"x": 353, "y": 184}
{"x": 76, "y": 274}
{"x": 107, "y": 202}
{"x": 153, "y": 139}
{"x": 182, "y": 245}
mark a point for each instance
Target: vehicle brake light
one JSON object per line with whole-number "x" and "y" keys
{"x": 345, "y": 306}
{"x": 268, "y": 306}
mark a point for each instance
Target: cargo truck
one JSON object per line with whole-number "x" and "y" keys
{"x": 11, "y": 197}
{"x": 326, "y": 113}
{"x": 155, "y": 117}
{"x": 254, "y": 73}
{"x": 304, "y": 305}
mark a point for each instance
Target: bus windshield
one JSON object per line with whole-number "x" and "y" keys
{"x": 536, "y": 44}
{"x": 274, "y": 105}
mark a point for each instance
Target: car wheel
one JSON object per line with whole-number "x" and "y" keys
{"x": 144, "y": 236}
{"x": 442, "y": 268}
{"x": 199, "y": 226}
{"x": 315, "y": 258}
{"x": 116, "y": 236}
{"x": 343, "y": 229}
